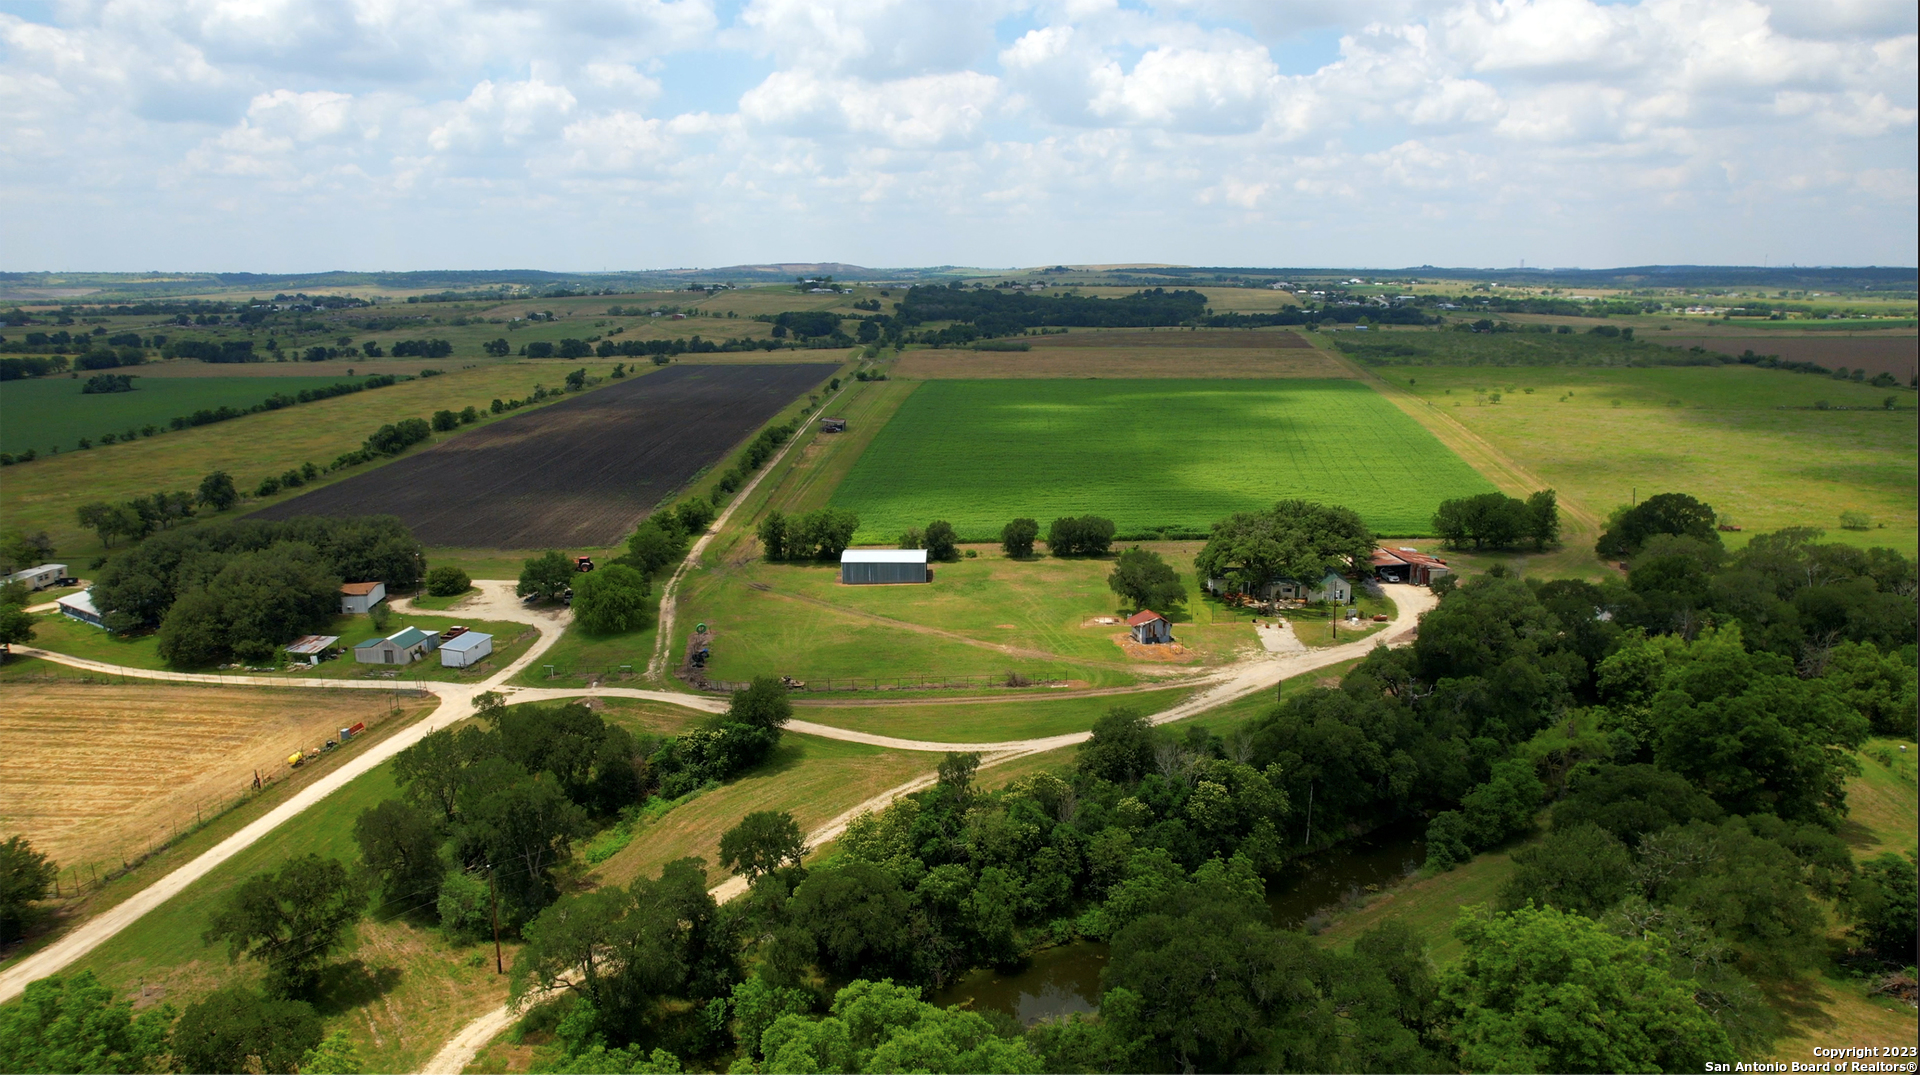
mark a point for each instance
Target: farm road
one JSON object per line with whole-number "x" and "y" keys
{"x": 1259, "y": 673}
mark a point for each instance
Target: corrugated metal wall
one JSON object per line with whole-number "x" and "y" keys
{"x": 874, "y": 574}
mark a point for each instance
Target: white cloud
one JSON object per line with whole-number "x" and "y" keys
{"x": 993, "y": 131}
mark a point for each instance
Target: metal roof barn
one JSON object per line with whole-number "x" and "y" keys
{"x": 877, "y": 567}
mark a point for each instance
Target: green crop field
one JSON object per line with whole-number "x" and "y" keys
{"x": 46, "y": 412}
{"x": 1154, "y": 456}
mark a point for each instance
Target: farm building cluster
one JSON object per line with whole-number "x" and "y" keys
{"x": 458, "y": 647}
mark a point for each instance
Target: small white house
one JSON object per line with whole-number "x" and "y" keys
{"x": 360, "y": 597}
{"x": 1150, "y": 628}
{"x": 467, "y": 648}
{"x": 80, "y": 607}
{"x": 38, "y": 578}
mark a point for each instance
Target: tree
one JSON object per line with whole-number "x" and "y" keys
{"x": 445, "y": 421}
{"x": 1145, "y": 580}
{"x": 1120, "y": 747}
{"x": 20, "y": 550}
{"x": 1883, "y": 900}
{"x": 78, "y": 1024}
{"x": 25, "y": 876}
{"x": 880, "y": 1026}
{"x": 545, "y": 577}
{"x": 611, "y": 600}
{"x": 764, "y": 704}
{"x": 1017, "y": 538}
{"x": 16, "y": 628}
{"x": 522, "y": 831}
{"x": 111, "y": 521}
{"x": 1298, "y": 539}
{"x": 401, "y": 847}
{"x": 821, "y": 534}
{"x": 291, "y": 920}
{"x": 448, "y": 581}
{"x": 656, "y": 543}
{"x": 1541, "y": 990}
{"x": 217, "y": 491}
{"x": 763, "y": 841}
{"x": 1543, "y": 519}
{"x": 1087, "y": 535}
{"x": 940, "y": 541}
{"x": 856, "y": 918}
{"x": 693, "y": 516}
{"x": 1488, "y": 520}
{"x": 335, "y": 1055}
{"x": 1583, "y": 870}
{"x": 1665, "y": 513}
{"x": 235, "y": 1030}
{"x": 773, "y": 536}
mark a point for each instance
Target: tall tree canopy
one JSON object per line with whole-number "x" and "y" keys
{"x": 1297, "y": 539}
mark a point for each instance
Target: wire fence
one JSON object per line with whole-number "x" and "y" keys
{"x": 185, "y": 819}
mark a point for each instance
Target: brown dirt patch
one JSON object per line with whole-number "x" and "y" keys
{"x": 94, "y": 770}
{"x": 1898, "y": 355}
{"x": 1258, "y": 339}
{"x": 1164, "y": 654}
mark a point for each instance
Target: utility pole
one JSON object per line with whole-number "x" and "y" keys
{"x": 493, "y": 896}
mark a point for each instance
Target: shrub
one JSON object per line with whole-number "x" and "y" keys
{"x": 448, "y": 580}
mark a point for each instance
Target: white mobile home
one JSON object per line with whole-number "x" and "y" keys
{"x": 38, "y": 578}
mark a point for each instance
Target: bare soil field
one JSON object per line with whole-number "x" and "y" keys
{"x": 1898, "y": 355}
{"x": 1134, "y": 354}
{"x": 94, "y": 770}
{"x": 579, "y": 473}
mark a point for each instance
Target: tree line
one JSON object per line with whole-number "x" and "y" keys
{"x": 1499, "y": 521}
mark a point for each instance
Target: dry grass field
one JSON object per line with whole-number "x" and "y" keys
{"x": 90, "y": 771}
{"x": 1135, "y": 354}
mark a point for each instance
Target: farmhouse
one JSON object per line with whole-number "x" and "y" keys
{"x": 360, "y": 597}
{"x": 80, "y": 607}
{"x": 466, "y": 648}
{"x": 870, "y": 567}
{"x": 1332, "y": 587}
{"x": 1150, "y": 628}
{"x": 1408, "y": 565}
{"x": 404, "y": 646}
{"x": 311, "y": 648}
{"x": 37, "y": 578}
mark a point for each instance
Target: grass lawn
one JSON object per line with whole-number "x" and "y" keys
{"x": 1156, "y": 456}
{"x": 1736, "y": 437}
{"x": 432, "y": 603}
{"x": 580, "y": 653}
{"x": 982, "y": 616}
{"x": 815, "y": 779}
{"x": 52, "y": 411}
{"x": 63, "y": 634}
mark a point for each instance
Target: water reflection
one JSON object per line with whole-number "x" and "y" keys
{"x": 1061, "y": 981}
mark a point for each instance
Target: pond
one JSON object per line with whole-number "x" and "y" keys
{"x": 1063, "y": 980}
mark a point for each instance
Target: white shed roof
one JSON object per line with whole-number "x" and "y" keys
{"x": 884, "y": 556}
{"x": 466, "y": 640}
{"x": 80, "y": 602}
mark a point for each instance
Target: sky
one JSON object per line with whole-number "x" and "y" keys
{"x": 585, "y": 135}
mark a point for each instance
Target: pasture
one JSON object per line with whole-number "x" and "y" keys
{"x": 583, "y": 472}
{"x": 95, "y": 771}
{"x": 52, "y": 412}
{"x": 1158, "y": 457}
{"x": 1747, "y": 441}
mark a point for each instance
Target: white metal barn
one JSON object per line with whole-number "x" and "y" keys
{"x": 466, "y": 648}
{"x": 876, "y": 567}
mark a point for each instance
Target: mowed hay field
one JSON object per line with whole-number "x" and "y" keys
{"x": 1152, "y": 455}
{"x": 94, "y": 770}
{"x": 1747, "y": 441}
{"x": 580, "y": 473}
{"x": 1134, "y": 353}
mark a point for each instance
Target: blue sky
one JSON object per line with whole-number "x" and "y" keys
{"x": 397, "y": 134}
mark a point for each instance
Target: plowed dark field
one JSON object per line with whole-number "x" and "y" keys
{"x": 581, "y": 473}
